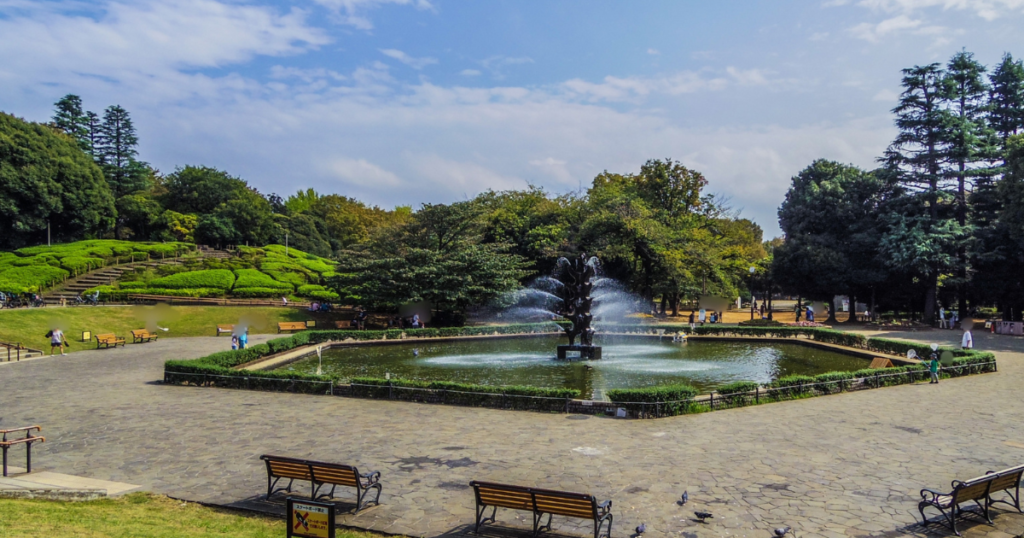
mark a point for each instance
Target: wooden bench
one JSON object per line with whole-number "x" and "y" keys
{"x": 142, "y": 335}
{"x": 540, "y": 502}
{"x": 221, "y": 329}
{"x": 321, "y": 474}
{"x": 977, "y": 490}
{"x": 27, "y": 441}
{"x": 291, "y": 326}
{"x": 108, "y": 340}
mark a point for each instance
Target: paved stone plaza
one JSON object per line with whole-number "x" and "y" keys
{"x": 844, "y": 465}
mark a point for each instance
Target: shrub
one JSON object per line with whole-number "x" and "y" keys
{"x": 832, "y": 382}
{"x": 81, "y": 264}
{"x": 258, "y": 292}
{"x": 30, "y": 279}
{"x": 671, "y": 400}
{"x": 792, "y": 386}
{"x": 736, "y": 394}
{"x": 252, "y": 278}
{"x": 212, "y": 278}
{"x": 447, "y": 392}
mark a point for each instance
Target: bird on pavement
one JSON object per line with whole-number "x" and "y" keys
{"x": 641, "y": 529}
{"x": 686, "y": 497}
{"x": 703, "y": 516}
{"x": 781, "y": 531}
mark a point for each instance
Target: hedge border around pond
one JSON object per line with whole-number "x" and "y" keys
{"x": 219, "y": 370}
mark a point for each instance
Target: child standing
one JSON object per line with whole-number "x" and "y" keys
{"x": 933, "y": 366}
{"x": 967, "y": 342}
{"x": 234, "y": 342}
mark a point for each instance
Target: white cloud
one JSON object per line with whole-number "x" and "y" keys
{"x": 886, "y": 95}
{"x": 986, "y": 9}
{"x": 469, "y": 178}
{"x": 352, "y": 12}
{"x": 360, "y": 172}
{"x": 653, "y": 52}
{"x": 470, "y": 73}
{"x": 306, "y": 75}
{"x": 748, "y": 77}
{"x": 415, "y": 63}
{"x": 874, "y": 32}
{"x": 818, "y": 36}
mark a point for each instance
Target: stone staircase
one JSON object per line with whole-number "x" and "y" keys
{"x": 106, "y": 276}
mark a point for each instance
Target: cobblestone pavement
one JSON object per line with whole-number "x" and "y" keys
{"x": 843, "y": 465}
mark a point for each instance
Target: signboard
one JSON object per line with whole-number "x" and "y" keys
{"x": 86, "y": 336}
{"x": 310, "y": 324}
{"x": 308, "y": 519}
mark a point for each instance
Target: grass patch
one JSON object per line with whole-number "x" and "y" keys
{"x": 137, "y": 515}
{"x": 29, "y": 325}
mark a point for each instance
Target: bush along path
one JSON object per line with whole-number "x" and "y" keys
{"x": 221, "y": 370}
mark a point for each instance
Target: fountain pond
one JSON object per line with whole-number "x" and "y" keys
{"x": 628, "y": 362}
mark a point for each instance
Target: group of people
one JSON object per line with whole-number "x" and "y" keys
{"x": 704, "y": 316}
{"x": 14, "y": 300}
{"x": 241, "y": 340}
{"x": 952, "y": 315}
{"x": 398, "y": 322}
{"x": 320, "y": 307}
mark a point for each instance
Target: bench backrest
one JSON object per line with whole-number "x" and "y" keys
{"x": 141, "y": 333}
{"x": 564, "y": 503}
{"x": 287, "y": 467}
{"x": 503, "y": 495}
{"x": 107, "y": 336}
{"x": 974, "y": 489}
{"x": 1007, "y": 478}
{"x": 226, "y": 327}
{"x": 333, "y": 473}
{"x": 292, "y": 325}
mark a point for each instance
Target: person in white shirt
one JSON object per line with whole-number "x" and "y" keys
{"x": 967, "y": 342}
{"x": 57, "y": 340}
{"x": 942, "y": 318}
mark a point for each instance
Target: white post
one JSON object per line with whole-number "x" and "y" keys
{"x": 286, "y": 243}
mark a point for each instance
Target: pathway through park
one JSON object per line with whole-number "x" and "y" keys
{"x": 843, "y": 465}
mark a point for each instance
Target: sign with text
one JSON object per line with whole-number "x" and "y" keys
{"x": 308, "y": 519}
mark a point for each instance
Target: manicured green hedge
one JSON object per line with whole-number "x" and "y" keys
{"x": 244, "y": 293}
{"x": 253, "y": 278}
{"x": 447, "y": 392}
{"x": 212, "y": 278}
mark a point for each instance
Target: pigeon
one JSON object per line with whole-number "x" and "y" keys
{"x": 702, "y": 516}
{"x": 641, "y": 528}
{"x": 781, "y": 531}
{"x": 686, "y": 497}
{"x": 165, "y": 329}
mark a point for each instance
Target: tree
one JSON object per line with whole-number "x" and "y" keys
{"x": 116, "y": 152}
{"x": 969, "y": 143}
{"x": 915, "y": 158}
{"x": 45, "y": 179}
{"x": 1006, "y": 98}
{"x": 1009, "y": 233}
{"x": 831, "y": 226}
{"x": 200, "y": 190}
{"x": 436, "y": 257}
{"x": 70, "y": 118}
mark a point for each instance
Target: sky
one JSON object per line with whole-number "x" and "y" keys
{"x": 401, "y": 102}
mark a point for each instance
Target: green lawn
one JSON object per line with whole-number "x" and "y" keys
{"x": 137, "y": 515}
{"x": 29, "y": 325}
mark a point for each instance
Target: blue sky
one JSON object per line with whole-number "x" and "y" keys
{"x": 406, "y": 101}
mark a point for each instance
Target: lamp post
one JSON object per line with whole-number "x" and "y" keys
{"x": 752, "y": 271}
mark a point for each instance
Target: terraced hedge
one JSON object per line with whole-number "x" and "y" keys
{"x": 212, "y": 278}
{"x": 253, "y": 278}
{"x": 33, "y": 269}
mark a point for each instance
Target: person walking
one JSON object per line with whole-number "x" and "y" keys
{"x": 57, "y": 340}
{"x": 692, "y": 324}
{"x": 933, "y": 366}
{"x": 942, "y": 318}
{"x": 967, "y": 341}
{"x": 243, "y": 339}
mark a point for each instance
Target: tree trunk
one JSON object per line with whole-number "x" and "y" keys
{"x": 832, "y": 311}
{"x": 664, "y": 303}
{"x": 675, "y": 304}
{"x": 770, "y": 305}
{"x": 929, "y": 299}
{"x": 799, "y": 307}
{"x": 853, "y": 309}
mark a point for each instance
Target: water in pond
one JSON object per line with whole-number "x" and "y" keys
{"x": 627, "y": 362}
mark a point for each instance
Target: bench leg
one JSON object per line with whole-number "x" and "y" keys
{"x": 5, "y": 459}
{"x": 28, "y": 457}
{"x": 537, "y": 518}
{"x": 361, "y": 501}
{"x": 600, "y": 523}
{"x": 480, "y": 519}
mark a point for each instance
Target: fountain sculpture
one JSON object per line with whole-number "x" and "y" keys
{"x": 577, "y": 278}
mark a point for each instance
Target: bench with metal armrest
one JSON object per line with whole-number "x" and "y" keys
{"x": 977, "y": 490}
{"x": 320, "y": 474}
{"x": 541, "y": 502}
{"x": 108, "y": 340}
{"x": 29, "y": 438}
{"x": 143, "y": 335}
